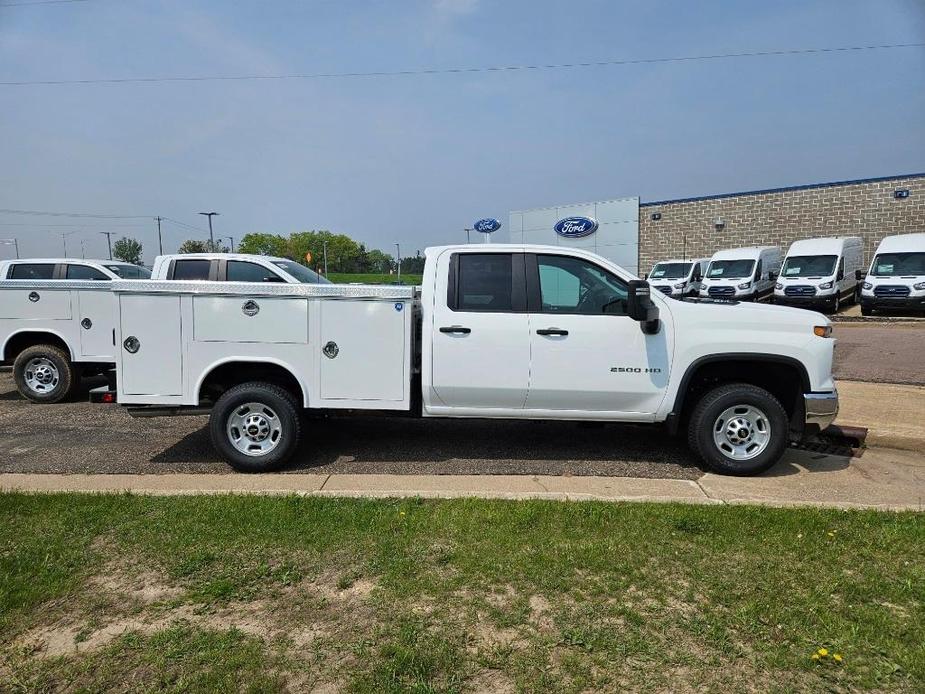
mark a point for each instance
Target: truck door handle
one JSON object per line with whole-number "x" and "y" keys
{"x": 552, "y": 331}
{"x": 456, "y": 330}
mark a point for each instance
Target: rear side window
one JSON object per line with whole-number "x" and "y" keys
{"x": 191, "y": 269}
{"x": 84, "y": 272}
{"x": 484, "y": 282}
{"x": 131, "y": 272}
{"x": 31, "y": 271}
{"x": 241, "y": 271}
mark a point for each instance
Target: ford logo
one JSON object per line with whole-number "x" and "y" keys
{"x": 487, "y": 225}
{"x": 575, "y": 227}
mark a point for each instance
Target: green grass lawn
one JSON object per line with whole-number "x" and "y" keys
{"x": 268, "y": 594}
{"x": 384, "y": 278}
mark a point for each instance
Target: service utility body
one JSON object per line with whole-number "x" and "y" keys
{"x": 495, "y": 331}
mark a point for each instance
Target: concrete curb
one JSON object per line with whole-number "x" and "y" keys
{"x": 891, "y": 412}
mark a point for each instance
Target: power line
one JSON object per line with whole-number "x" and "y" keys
{"x": 71, "y": 226}
{"x": 41, "y": 213}
{"x": 39, "y": 2}
{"x": 460, "y": 70}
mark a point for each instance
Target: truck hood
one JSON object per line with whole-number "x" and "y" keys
{"x": 745, "y": 316}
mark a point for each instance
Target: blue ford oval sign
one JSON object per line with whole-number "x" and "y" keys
{"x": 487, "y": 226}
{"x": 575, "y": 227}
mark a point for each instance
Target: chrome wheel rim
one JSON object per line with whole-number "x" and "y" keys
{"x": 742, "y": 432}
{"x": 254, "y": 429}
{"x": 41, "y": 375}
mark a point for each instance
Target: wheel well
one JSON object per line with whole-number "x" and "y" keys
{"x": 21, "y": 341}
{"x": 230, "y": 374}
{"x": 784, "y": 379}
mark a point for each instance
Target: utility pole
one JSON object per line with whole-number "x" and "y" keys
{"x": 324, "y": 251}
{"x": 467, "y": 235}
{"x": 230, "y": 239}
{"x": 64, "y": 242}
{"x": 160, "y": 241}
{"x": 398, "y": 253}
{"x": 109, "y": 241}
{"x": 211, "y": 237}
{"x": 83, "y": 252}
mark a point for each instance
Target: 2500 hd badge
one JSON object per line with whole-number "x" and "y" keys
{"x": 633, "y": 370}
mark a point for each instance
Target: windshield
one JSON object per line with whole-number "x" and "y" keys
{"x": 809, "y": 265}
{"x": 898, "y": 264}
{"x": 730, "y": 269}
{"x": 300, "y": 272}
{"x": 131, "y": 272}
{"x": 670, "y": 271}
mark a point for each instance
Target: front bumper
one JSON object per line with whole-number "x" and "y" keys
{"x": 821, "y": 408}
{"x": 916, "y": 302}
{"x": 815, "y": 300}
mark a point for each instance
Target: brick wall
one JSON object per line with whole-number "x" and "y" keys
{"x": 777, "y": 218}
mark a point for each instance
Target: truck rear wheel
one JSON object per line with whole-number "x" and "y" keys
{"x": 738, "y": 429}
{"x": 44, "y": 374}
{"x": 255, "y": 427}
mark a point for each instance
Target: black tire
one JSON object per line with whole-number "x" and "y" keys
{"x": 55, "y": 366}
{"x": 279, "y": 403}
{"x": 866, "y": 310}
{"x": 700, "y": 432}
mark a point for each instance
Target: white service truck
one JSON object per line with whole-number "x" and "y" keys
{"x": 495, "y": 331}
{"x": 56, "y": 314}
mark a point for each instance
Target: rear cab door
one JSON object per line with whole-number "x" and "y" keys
{"x": 477, "y": 356}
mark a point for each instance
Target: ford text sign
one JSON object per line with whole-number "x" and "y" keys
{"x": 575, "y": 227}
{"x": 487, "y": 226}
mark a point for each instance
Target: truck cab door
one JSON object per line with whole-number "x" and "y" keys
{"x": 587, "y": 355}
{"x": 480, "y": 342}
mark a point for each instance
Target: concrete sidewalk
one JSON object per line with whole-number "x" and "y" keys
{"x": 893, "y": 414}
{"x": 880, "y": 479}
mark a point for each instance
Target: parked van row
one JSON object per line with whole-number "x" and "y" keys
{"x": 820, "y": 273}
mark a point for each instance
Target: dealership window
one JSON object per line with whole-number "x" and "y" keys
{"x": 484, "y": 282}
{"x": 191, "y": 269}
{"x": 572, "y": 285}
{"x": 85, "y": 272}
{"x": 31, "y": 271}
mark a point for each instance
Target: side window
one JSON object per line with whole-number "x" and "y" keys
{"x": 573, "y": 285}
{"x": 84, "y": 272}
{"x": 193, "y": 269}
{"x": 758, "y": 270}
{"x": 841, "y": 270}
{"x": 32, "y": 271}
{"x": 484, "y": 282}
{"x": 240, "y": 271}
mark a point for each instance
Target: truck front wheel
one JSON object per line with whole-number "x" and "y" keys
{"x": 44, "y": 374}
{"x": 738, "y": 429}
{"x": 256, "y": 427}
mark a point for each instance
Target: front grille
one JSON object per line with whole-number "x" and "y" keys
{"x": 800, "y": 290}
{"x": 721, "y": 291}
{"x": 891, "y": 290}
{"x": 664, "y": 290}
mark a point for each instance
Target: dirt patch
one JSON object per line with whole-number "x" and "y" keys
{"x": 491, "y": 682}
{"x": 146, "y": 588}
{"x": 539, "y": 613}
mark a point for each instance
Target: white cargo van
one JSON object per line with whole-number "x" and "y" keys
{"x": 821, "y": 272}
{"x": 495, "y": 331}
{"x": 743, "y": 274}
{"x": 678, "y": 278}
{"x": 896, "y": 279}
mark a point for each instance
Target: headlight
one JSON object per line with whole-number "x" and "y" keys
{"x": 745, "y": 285}
{"x": 825, "y": 285}
{"x": 679, "y": 286}
{"x": 867, "y": 285}
{"x": 778, "y": 286}
{"x": 920, "y": 285}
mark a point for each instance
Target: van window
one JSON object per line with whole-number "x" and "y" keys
{"x": 84, "y": 272}
{"x": 243, "y": 271}
{"x": 758, "y": 271}
{"x": 735, "y": 269}
{"x": 31, "y": 271}
{"x": 670, "y": 271}
{"x": 484, "y": 282}
{"x": 192, "y": 269}
{"x": 809, "y": 265}
{"x": 898, "y": 264}
{"x": 573, "y": 285}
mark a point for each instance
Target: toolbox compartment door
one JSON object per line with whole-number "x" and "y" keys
{"x": 35, "y": 304}
{"x": 156, "y": 366}
{"x": 96, "y": 323}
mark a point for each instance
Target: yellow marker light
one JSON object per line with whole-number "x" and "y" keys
{"x": 823, "y": 330}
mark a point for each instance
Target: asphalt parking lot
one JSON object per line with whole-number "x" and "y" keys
{"x": 77, "y": 437}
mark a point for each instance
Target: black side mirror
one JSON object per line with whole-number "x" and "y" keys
{"x": 860, "y": 275}
{"x": 645, "y": 276}
{"x": 640, "y": 308}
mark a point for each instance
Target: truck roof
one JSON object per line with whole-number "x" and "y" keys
{"x": 901, "y": 243}
{"x": 89, "y": 261}
{"x": 741, "y": 253}
{"x": 831, "y": 245}
{"x": 224, "y": 256}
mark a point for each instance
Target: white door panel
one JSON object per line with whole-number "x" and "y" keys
{"x": 242, "y": 319}
{"x": 35, "y": 304}
{"x": 156, "y": 368}
{"x": 96, "y": 316}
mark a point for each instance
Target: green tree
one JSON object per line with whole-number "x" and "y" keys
{"x": 342, "y": 250}
{"x": 264, "y": 244}
{"x": 127, "y": 249}
{"x": 192, "y": 246}
{"x": 413, "y": 265}
{"x": 379, "y": 261}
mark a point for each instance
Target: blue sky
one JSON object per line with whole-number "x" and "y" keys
{"x": 417, "y": 159}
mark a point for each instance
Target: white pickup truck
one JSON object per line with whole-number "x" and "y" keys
{"x": 57, "y": 314}
{"x": 499, "y": 331}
